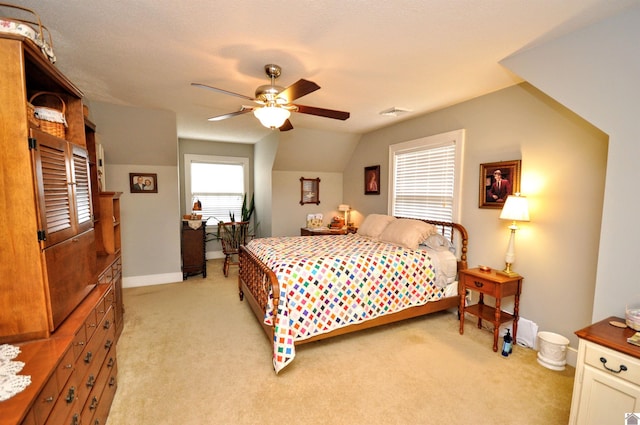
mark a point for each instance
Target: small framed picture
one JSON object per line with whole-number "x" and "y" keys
{"x": 372, "y": 180}
{"x": 143, "y": 182}
{"x": 309, "y": 191}
{"x": 497, "y": 181}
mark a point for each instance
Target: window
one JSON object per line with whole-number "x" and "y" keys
{"x": 425, "y": 177}
{"x": 219, "y": 183}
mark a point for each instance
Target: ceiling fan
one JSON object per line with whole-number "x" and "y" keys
{"x": 275, "y": 102}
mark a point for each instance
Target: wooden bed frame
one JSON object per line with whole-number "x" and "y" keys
{"x": 255, "y": 279}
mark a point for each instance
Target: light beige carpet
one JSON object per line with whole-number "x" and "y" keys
{"x": 192, "y": 353}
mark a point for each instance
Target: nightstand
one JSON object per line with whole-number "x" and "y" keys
{"x": 494, "y": 285}
{"x": 321, "y": 231}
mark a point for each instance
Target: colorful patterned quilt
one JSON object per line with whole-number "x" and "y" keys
{"x": 327, "y": 282}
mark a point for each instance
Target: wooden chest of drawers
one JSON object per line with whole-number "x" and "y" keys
{"x": 73, "y": 373}
{"x": 607, "y": 379}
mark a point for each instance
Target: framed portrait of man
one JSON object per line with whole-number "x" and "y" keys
{"x": 498, "y": 180}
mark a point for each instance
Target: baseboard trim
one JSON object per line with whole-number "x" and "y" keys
{"x": 148, "y": 280}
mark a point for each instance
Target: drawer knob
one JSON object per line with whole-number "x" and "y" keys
{"x": 71, "y": 395}
{"x": 604, "y": 363}
{"x": 478, "y": 284}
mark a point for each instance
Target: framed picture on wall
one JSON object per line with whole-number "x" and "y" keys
{"x": 309, "y": 191}
{"x": 372, "y": 180}
{"x": 497, "y": 181}
{"x": 143, "y": 182}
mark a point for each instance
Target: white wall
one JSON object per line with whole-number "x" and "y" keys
{"x": 596, "y": 73}
{"x": 563, "y": 170}
{"x": 288, "y": 215}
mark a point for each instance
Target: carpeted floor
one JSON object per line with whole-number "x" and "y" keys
{"x": 191, "y": 353}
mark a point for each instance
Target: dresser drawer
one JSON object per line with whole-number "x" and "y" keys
{"x": 46, "y": 400}
{"x": 65, "y": 367}
{"x": 66, "y": 403}
{"x": 91, "y": 361}
{"x": 79, "y": 342}
{"x": 484, "y": 286}
{"x": 613, "y": 362}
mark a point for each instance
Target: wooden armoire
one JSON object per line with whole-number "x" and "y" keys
{"x": 60, "y": 268}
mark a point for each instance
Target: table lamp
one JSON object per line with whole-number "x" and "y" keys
{"x": 345, "y": 208}
{"x": 516, "y": 208}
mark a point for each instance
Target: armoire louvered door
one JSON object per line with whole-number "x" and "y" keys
{"x": 64, "y": 194}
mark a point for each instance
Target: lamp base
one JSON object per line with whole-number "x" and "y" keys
{"x": 510, "y": 273}
{"x": 507, "y": 271}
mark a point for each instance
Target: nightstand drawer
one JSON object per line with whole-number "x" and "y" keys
{"x": 485, "y": 286}
{"x": 617, "y": 364}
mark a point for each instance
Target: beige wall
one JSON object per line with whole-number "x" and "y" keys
{"x": 143, "y": 140}
{"x": 595, "y": 72}
{"x": 288, "y": 215}
{"x": 563, "y": 168}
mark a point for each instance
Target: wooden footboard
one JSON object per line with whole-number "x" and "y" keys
{"x": 254, "y": 283}
{"x": 255, "y": 280}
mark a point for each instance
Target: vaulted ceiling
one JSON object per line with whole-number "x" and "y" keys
{"x": 367, "y": 56}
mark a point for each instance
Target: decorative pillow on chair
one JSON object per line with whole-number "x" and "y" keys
{"x": 407, "y": 233}
{"x": 374, "y": 224}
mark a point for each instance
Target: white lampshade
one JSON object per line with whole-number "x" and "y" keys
{"x": 272, "y": 116}
{"x": 343, "y": 207}
{"x": 516, "y": 208}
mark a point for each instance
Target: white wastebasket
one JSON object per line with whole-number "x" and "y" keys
{"x": 553, "y": 350}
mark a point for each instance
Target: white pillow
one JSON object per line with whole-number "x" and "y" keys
{"x": 374, "y": 224}
{"x": 438, "y": 242}
{"x": 407, "y": 233}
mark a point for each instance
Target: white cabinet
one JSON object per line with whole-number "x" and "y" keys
{"x": 607, "y": 381}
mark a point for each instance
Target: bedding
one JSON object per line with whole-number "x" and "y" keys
{"x": 329, "y": 282}
{"x": 374, "y": 224}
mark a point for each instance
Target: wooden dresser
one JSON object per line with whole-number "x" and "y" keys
{"x": 607, "y": 380}
{"x": 61, "y": 274}
{"x": 73, "y": 373}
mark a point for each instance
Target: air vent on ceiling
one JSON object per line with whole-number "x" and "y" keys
{"x": 394, "y": 112}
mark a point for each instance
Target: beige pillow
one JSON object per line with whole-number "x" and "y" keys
{"x": 374, "y": 224}
{"x": 407, "y": 233}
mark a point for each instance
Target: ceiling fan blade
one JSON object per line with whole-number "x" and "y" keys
{"x": 204, "y": 86}
{"x": 242, "y": 111}
{"x": 321, "y": 112}
{"x": 298, "y": 89}
{"x": 286, "y": 126}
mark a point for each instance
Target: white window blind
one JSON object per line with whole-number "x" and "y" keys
{"x": 425, "y": 176}
{"x": 219, "y": 183}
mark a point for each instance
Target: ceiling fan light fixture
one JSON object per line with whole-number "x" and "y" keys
{"x": 272, "y": 116}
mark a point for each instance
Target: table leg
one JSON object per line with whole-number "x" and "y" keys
{"x": 461, "y": 310}
{"x": 496, "y": 324}
{"x": 480, "y": 301}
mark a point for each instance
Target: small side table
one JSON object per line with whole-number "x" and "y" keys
{"x": 321, "y": 231}
{"x": 495, "y": 285}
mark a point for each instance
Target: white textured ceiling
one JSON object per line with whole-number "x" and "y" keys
{"x": 367, "y": 55}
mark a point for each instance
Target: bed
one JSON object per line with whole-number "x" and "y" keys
{"x": 308, "y": 288}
